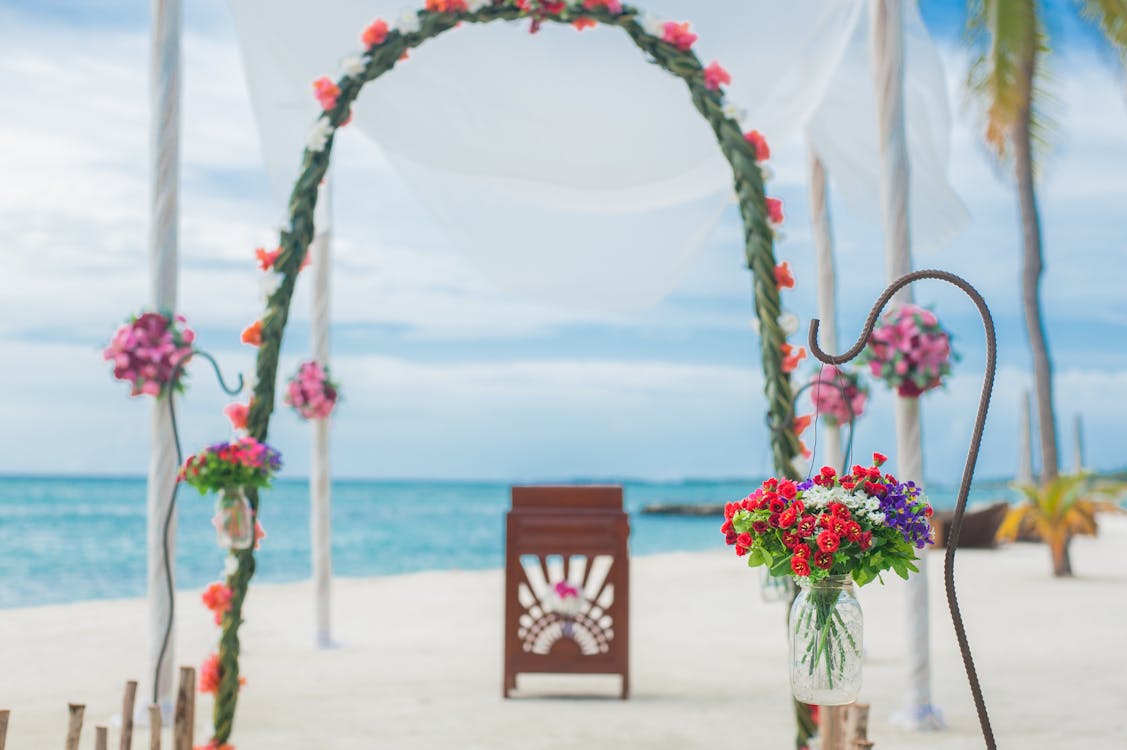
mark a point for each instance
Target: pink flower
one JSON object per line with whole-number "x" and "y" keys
{"x": 612, "y": 6}
{"x": 679, "y": 35}
{"x": 238, "y": 414}
{"x": 715, "y": 76}
{"x": 774, "y": 210}
{"x": 217, "y": 598}
{"x": 209, "y": 674}
{"x": 326, "y": 92}
{"x": 759, "y": 143}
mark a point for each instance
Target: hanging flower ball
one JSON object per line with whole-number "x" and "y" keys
{"x": 147, "y": 350}
{"x": 838, "y": 395}
{"x": 909, "y": 351}
{"x": 715, "y": 76}
{"x": 311, "y": 393}
{"x": 679, "y": 35}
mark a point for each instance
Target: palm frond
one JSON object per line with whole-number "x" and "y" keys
{"x": 1111, "y": 17}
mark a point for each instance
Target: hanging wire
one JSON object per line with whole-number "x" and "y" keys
{"x": 972, "y": 454}
{"x": 177, "y": 373}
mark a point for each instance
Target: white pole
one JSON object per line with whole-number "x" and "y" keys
{"x": 164, "y": 176}
{"x": 824, "y": 262}
{"x": 1025, "y": 444}
{"x": 1078, "y": 444}
{"x": 887, "y": 40}
{"x": 320, "y": 486}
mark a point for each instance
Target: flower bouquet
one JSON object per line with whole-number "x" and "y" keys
{"x": 146, "y": 351}
{"x": 229, "y": 469}
{"x": 311, "y": 393}
{"x": 827, "y": 532}
{"x": 838, "y": 395}
{"x": 909, "y": 351}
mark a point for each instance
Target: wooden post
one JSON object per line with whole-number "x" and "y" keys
{"x": 831, "y": 727}
{"x": 184, "y": 726}
{"x": 74, "y": 724}
{"x": 101, "y": 738}
{"x": 127, "y": 706}
{"x": 3, "y": 727}
{"x": 154, "y": 726}
{"x": 856, "y": 725}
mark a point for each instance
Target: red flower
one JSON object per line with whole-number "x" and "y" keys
{"x": 824, "y": 560}
{"x": 828, "y": 541}
{"x": 612, "y": 6}
{"x": 209, "y": 674}
{"x": 798, "y": 506}
{"x": 759, "y": 527}
{"x": 879, "y": 459}
{"x": 791, "y": 539}
{"x": 783, "y": 277}
{"x": 726, "y": 527}
{"x": 771, "y": 485}
{"x": 759, "y": 143}
{"x": 853, "y": 531}
{"x": 788, "y": 518}
{"x": 800, "y": 565}
{"x": 802, "y": 551}
{"x": 788, "y": 489}
{"x": 801, "y": 423}
{"x": 326, "y": 92}
{"x": 791, "y": 357}
{"x": 730, "y": 538}
{"x": 678, "y": 35}
{"x": 267, "y": 258}
{"x": 584, "y": 23}
{"x": 740, "y": 550}
{"x": 848, "y": 484}
{"x": 375, "y": 34}
{"x": 866, "y": 540}
{"x": 774, "y": 210}
{"x": 838, "y": 510}
{"x": 806, "y": 525}
{"x": 252, "y": 334}
{"x": 828, "y": 472}
{"x": 446, "y": 6}
{"x": 837, "y": 525}
{"x": 715, "y": 76}
{"x": 744, "y": 539}
{"x": 777, "y": 504}
{"x": 773, "y": 520}
{"x": 730, "y": 510}
{"x": 217, "y": 598}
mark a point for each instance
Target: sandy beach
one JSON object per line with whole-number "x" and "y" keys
{"x": 420, "y": 664}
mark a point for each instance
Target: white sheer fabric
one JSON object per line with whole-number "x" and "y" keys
{"x": 571, "y": 171}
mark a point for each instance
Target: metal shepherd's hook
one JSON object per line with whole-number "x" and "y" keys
{"x": 972, "y": 453}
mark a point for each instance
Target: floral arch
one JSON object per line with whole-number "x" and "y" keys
{"x": 667, "y": 45}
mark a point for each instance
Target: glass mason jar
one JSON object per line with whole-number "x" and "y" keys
{"x": 825, "y": 642}
{"x": 234, "y": 519}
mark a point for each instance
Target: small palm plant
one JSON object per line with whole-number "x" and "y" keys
{"x": 1059, "y": 510}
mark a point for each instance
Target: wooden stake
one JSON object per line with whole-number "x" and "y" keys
{"x": 154, "y": 727}
{"x": 127, "y": 707}
{"x": 101, "y": 738}
{"x": 184, "y": 726}
{"x": 831, "y": 728}
{"x": 3, "y": 727}
{"x": 857, "y": 724}
{"x": 74, "y": 724}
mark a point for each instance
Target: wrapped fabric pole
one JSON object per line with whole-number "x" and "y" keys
{"x": 824, "y": 265}
{"x": 164, "y": 175}
{"x": 320, "y": 484}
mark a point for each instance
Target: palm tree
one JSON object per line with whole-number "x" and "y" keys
{"x": 1004, "y": 78}
{"x": 1057, "y": 511}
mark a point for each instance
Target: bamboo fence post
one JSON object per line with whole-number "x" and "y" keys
{"x": 184, "y": 726}
{"x": 74, "y": 724}
{"x": 101, "y": 738}
{"x": 3, "y": 727}
{"x": 127, "y": 708}
{"x": 154, "y": 726}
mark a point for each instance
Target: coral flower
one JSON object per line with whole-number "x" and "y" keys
{"x": 209, "y": 674}
{"x": 774, "y": 210}
{"x": 792, "y": 356}
{"x": 446, "y": 6}
{"x": 375, "y": 34}
{"x": 784, "y": 279}
{"x": 326, "y": 92}
{"x": 217, "y": 598}
{"x": 267, "y": 258}
{"x": 252, "y": 334}
{"x": 759, "y": 143}
{"x": 715, "y": 76}
{"x": 584, "y": 23}
{"x": 679, "y": 35}
{"x": 801, "y": 423}
{"x": 259, "y": 533}
{"x": 238, "y": 414}
{"x": 612, "y": 6}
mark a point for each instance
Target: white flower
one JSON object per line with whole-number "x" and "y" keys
{"x": 754, "y": 323}
{"x": 320, "y": 134}
{"x": 789, "y": 323}
{"x": 269, "y": 283}
{"x": 780, "y": 235}
{"x": 767, "y": 172}
{"x": 473, "y": 6}
{"x": 653, "y": 25}
{"x": 408, "y": 22}
{"x": 871, "y": 504}
{"x": 353, "y": 65}
{"x": 735, "y": 112}
{"x": 230, "y": 565}
{"x": 876, "y": 517}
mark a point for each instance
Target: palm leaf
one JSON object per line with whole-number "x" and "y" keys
{"x": 1111, "y": 17}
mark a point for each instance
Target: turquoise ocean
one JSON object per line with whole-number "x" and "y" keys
{"x": 65, "y": 539}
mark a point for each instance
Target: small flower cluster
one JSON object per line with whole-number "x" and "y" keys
{"x": 147, "y": 350}
{"x": 838, "y": 395}
{"x": 566, "y": 599}
{"x": 860, "y": 524}
{"x": 909, "y": 351}
{"x": 244, "y": 462}
{"x": 311, "y": 393}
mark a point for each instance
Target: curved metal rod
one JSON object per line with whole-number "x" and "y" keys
{"x": 972, "y": 453}
{"x": 218, "y": 373}
{"x": 848, "y": 406}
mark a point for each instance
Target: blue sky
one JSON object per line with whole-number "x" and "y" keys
{"x": 445, "y": 376}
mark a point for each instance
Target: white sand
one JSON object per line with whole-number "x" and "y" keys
{"x": 422, "y": 663}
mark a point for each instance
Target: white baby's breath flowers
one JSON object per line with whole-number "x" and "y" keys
{"x": 408, "y": 22}
{"x": 230, "y": 566}
{"x": 319, "y": 135}
{"x": 735, "y": 112}
{"x": 789, "y": 323}
{"x": 268, "y": 283}
{"x": 653, "y": 25}
{"x": 353, "y": 65}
